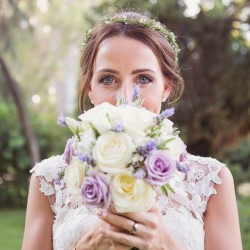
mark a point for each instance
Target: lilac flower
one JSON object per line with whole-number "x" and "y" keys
{"x": 95, "y": 190}
{"x": 68, "y": 151}
{"x": 58, "y": 177}
{"x": 136, "y": 93}
{"x": 86, "y": 158}
{"x": 140, "y": 173}
{"x": 118, "y": 127}
{"x": 57, "y": 180}
{"x": 159, "y": 167}
{"x": 164, "y": 115}
{"x": 147, "y": 148}
{"x": 61, "y": 120}
{"x": 182, "y": 168}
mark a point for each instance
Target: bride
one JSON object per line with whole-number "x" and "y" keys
{"x": 124, "y": 50}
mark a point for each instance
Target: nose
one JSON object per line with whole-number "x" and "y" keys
{"x": 126, "y": 91}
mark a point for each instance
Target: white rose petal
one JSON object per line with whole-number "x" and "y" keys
{"x": 130, "y": 194}
{"x": 113, "y": 151}
{"x": 176, "y": 148}
{"x": 74, "y": 175}
{"x": 135, "y": 120}
{"x": 101, "y": 116}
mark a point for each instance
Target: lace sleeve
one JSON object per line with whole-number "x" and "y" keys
{"x": 46, "y": 171}
{"x": 192, "y": 190}
{"x": 200, "y": 181}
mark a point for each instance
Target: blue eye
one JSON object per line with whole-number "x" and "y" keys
{"x": 106, "y": 80}
{"x": 144, "y": 80}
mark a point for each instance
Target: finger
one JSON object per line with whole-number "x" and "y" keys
{"x": 122, "y": 222}
{"x": 125, "y": 239}
{"x": 145, "y": 218}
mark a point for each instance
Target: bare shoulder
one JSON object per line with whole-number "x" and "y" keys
{"x": 221, "y": 217}
{"x": 224, "y": 190}
{"x": 39, "y": 219}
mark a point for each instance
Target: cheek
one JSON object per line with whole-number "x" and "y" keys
{"x": 99, "y": 96}
{"x": 152, "y": 103}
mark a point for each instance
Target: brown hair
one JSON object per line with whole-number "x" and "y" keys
{"x": 153, "y": 39}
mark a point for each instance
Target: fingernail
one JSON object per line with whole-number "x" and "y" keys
{"x": 99, "y": 212}
{"x": 102, "y": 230}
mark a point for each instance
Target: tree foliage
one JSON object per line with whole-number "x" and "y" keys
{"x": 215, "y": 60}
{"x": 41, "y": 44}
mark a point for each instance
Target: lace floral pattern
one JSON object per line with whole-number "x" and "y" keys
{"x": 185, "y": 207}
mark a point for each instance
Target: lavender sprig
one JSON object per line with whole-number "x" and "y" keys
{"x": 182, "y": 167}
{"x": 136, "y": 93}
{"x": 147, "y": 148}
{"x": 118, "y": 127}
{"x": 58, "y": 178}
{"x": 86, "y": 158}
{"x": 61, "y": 120}
{"x": 164, "y": 115}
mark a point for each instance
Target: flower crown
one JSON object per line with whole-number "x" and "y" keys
{"x": 141, "y": 21}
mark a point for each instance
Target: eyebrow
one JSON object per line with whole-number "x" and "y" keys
{"x": 133, "y": 72}
{"x": 141, "y": 70}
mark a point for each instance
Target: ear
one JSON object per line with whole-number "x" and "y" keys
{"x": 166, "y": 91}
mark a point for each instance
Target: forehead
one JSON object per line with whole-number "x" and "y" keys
{"x": 123, "y": 51}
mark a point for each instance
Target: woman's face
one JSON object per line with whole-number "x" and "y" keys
{"x": 121, "y": 63}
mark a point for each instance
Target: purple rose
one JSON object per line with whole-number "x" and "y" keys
{"x": 68, "y": 151}
{"x": 159, "y": 167}
{"x": 95, "y": 190}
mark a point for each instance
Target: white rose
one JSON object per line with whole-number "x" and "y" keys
{"x": 113, "y": 151}
{"x": 135, "y": 120}
{"x": 101, "y": 116}
{"x": 175, "y": 148}
{"x": 130, "y": 194}
{"x": 167, "y": 126}
{"x": 74, "y": 175}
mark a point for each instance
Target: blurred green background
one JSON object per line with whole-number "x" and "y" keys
{"x": 40, "y": 45}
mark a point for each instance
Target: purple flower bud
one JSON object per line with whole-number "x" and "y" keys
{"x": 68, "y": 151}
{"x": 164, "y": 115}
{"x": 160, "y": 167}
{"x": 136, "y": 93}
{"x": 95, "y": 190}
{"x": 57, "y": 180}
{"x": 183, "y": 168}
{"x": 147, "y": 148}
{"x": 86, "y": 158}
{"x": 118, "y": 127}
{"x": 61, "y": 120}
{"x": 140, "y": 173}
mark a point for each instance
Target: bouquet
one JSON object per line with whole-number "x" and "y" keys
{"x": 118, "y": 154}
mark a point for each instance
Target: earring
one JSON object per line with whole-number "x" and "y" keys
{"x": 163, "y": 99}
{"x": 92, "y": 102}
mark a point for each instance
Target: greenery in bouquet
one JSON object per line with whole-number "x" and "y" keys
{"x": 119, "y": 154}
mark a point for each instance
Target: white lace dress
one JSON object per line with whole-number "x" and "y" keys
{"x": 183, "y": 211}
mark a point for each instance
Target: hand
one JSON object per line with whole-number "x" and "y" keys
{"x": 151, "y": 232}
{"x": 95, "y": 240}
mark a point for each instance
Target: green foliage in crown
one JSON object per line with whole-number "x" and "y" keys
{"x": 145, "y": 22}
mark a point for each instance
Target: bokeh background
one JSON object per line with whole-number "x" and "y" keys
{"x": 40, "y": 45}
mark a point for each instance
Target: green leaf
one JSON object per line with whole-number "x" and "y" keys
{"x": 94, "y": 129}
{"x": 169, "y": 188}
{"x": 164, "y": 190}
